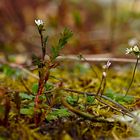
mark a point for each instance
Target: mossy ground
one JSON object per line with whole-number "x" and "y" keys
{"x": 59, "y": 122}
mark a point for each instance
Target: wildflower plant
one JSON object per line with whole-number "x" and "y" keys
{"x": 136, "y": 51}
{"x": 103, "y": 80}
{"x": 44, "y": 66}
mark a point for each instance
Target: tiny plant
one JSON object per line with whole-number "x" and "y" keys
{"x": 136, "y": 51}
{"x": 44, "y": 66}
{"x": 103, "y": 80}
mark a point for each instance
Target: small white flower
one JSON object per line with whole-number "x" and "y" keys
{"x": 39, "y": 22}
{"x": 132, "y": 42}
{"x": 128, "y": 51}
{"x": 136, "y": 49}
{"x": 107, "y": 65}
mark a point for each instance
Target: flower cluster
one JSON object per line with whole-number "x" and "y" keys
{"x": 135, "y": 50}
{"x": 134, "y": 47}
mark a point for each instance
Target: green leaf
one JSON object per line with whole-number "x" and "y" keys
{"x": 26, "y": 96}
{"x": 51, "y": 117}
{"x": 55, "y": 52}
{"x": 125, "y": 99}
{"x": 31, "y": 104}
{"x": 58, "y": 113}
{"x": 42, "y": 97}
{"x": 90, "y": 99}
{"x": 48, "y": 86}
{"x": 27, "y": 111}
{"x": 62, "y": 112}
{"x": 72, "y": 100}
{"x": 35, "y": 88}
{"x": 110, "y": 93}
{"x": 120, "y": 98}
{"x": 64, "y": 37}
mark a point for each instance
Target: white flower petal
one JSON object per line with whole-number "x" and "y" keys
{"x": 136, "y": 49}
{"x": 108, "y": 64}
{"x": 128, "y": 51}
{"x": 39, "y": 22}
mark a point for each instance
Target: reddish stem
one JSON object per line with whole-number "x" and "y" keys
{"x": 42, "y": 83}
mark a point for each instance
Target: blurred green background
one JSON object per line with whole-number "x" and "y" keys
{"x": 99, "y": 26}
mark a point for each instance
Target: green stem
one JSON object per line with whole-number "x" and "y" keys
{"x": 99, "y": 89}
{"x": 102, "y": 85}
{"x": 134, "y": 71}
{"x": 42, "y": 45}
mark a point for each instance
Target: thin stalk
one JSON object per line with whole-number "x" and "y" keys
{"x": 134, "y": 71}
{"x": 42, "y": 45}
{"x": 102, "y": 84}
{"x": 99, "y": 89}
{"x": 42, "y": 80}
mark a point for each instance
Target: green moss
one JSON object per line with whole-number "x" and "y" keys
{"x": 76, "y": 77}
